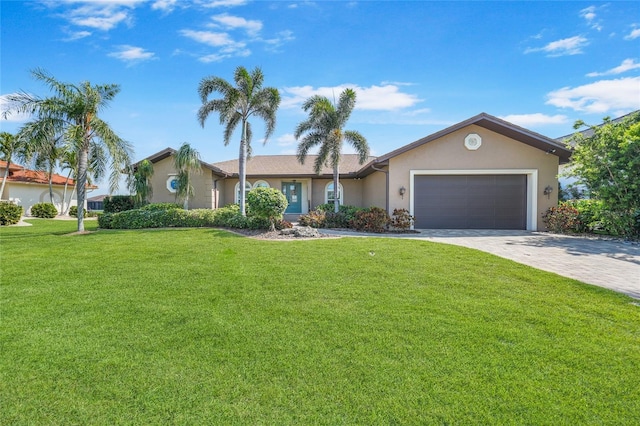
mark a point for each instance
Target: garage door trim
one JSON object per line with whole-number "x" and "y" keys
{"x": 532, "y": 187}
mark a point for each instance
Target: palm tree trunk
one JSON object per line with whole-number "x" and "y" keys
{"x": 242, "y": 166}
{"x": 4, "y": 178}
{"x": 81, "y": 189}
{"x": 64, "y": 195}
{"x": 336, "y": 189}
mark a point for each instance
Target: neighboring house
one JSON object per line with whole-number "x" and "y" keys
{"x": 96, "y": 203}
{"x": 482, "y": 173}
{"x": 28, "y": 187}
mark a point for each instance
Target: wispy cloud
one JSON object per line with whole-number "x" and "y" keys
{"x": 77, "y": 35}
{"x": 101, "y": 15}
{"x": 375, "y": 98}
{"x": 536, "y": 119}
{"x": 564, "y": 47}
{"x": 227, "y": 47}
{"x": 626, "y": 65}
{"x": 223, "y": 3}
{"x": 286, "y": 140}
{"x": 599, "y": 97}
{"x": 132, "y": 54}
{"x": 166, "y": 6}
{"x": 231, "y": 22}
{"x": 589, "y": 15}
{"x": 634, "y": 34}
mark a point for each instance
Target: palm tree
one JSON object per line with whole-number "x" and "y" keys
{"x": 323, "y": 128}
{"x": 73, "y": 112}
{"x": 11, "y": 146}
{"x": 236, "y": 106}
{"x": 69, "y": 161}
{"x": 141, "y": 182}
{"x": 187, "y": 161}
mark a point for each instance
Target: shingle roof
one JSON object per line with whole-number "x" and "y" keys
{"x": 20, "y": 174}
{"x": 288, "y": 165}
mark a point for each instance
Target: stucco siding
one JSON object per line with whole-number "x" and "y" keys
{"x": 497, "y": 152}
{"x": 164, "y": 169}
{"x": 26, "y": 195}
{"x": 374, "y": 190}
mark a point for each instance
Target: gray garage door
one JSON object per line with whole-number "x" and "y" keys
{"x": 470, "y": 202}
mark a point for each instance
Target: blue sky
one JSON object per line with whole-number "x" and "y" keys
{"x": 417, "y": 67}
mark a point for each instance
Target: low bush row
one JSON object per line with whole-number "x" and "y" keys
{"x": 372, "y": 219}
{"x": 44, "y": 210}
{"x": 591, "y": 216}
{"x": 167, "y": 215}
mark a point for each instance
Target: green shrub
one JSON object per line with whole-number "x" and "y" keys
{"x": 373, "y": 219}
{"x": 561, "y": 219}
{"x": 401, "y": 220}
{"x": 315, "y": 219}
{"x": 224, "y": 214}
{"x": 160, "y": 206}
{"x": 44, "y": 210}
{"x": 266, "y": 203}
{"x": 168, "y": 218}
{"x": 73, "y": 211}
{"x": 118, "y": 203}
{"x": 9, "y": 213}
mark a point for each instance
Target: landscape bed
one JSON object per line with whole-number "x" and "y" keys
{"x": 201, "y": 326}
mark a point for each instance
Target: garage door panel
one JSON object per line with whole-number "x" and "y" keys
{"x": 470, "y": 201}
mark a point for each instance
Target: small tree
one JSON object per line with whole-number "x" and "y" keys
{"x": 607, "y": 163}
{"x": 11, "y": 147}
{"x": 141, "y": 183}
{"x": 187, "y": 162}
{"x": 267, "y": 203}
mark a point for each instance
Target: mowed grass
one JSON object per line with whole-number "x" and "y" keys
{"x": 200, "y": 326}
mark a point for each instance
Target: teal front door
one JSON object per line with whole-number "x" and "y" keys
{"x": 293, "y": 192}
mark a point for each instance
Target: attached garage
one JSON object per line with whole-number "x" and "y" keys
{"x": 470, "y": 201}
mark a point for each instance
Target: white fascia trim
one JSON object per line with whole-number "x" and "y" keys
{"x": 532, "y": 187}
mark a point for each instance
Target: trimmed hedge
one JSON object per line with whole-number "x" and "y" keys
{"x": 73, "y": 211}
{"x": 9, "y": 213}
{"x": 118, "y": 203}
{"x": 44, "y": 210}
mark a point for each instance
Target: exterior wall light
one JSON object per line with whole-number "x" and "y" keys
{"x": 548, "y": 190}
{"x": 402, "y": 190}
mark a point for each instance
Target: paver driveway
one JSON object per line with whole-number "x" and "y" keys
{"x": 611, "y": 264}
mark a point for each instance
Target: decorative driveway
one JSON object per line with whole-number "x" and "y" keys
{"x": 608, "y": 263}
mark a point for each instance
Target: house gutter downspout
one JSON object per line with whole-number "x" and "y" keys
{"x": 215, "y": 190}
{"x": 386, "y": 172}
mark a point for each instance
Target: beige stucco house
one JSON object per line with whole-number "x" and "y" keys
{"x": 482, "y": 173}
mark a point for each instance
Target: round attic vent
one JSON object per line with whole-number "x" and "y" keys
{"x": 473, "y": 141}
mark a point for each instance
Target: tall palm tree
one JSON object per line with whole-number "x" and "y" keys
{"x": 11, "y": 147}
{"x": 323, "y": 128}
{"x": 141, "y": 182}
{"x": 187, "y": 161}
{"x": 69, "y": 161}
{"x": 45, "y": 149}
{"x": 235, "y": 107}
{"x": 74, "y": 111}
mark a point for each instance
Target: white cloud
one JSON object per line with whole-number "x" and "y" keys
{"x": 12, "y": 117}
{"x": 537, "y": 119}
{"x": 564, "y": 47}
{"x": 252, "y": 27}
{"x": 223, "y": 3}
{"x": 102, "y": 15}
{"x": 286, "y": 140}
{"x": 210, "y": 38}
{"x": 166, "y": 6}
{"x": 77, "y": 35}
{"x": 589, "y": 15}
{"x": 599, "y": 97}
{"x": 634, "y": 34}
{"x": 626, "y": 65}
{"x": 132, "y": 54}
{"x": 380, "y": 98}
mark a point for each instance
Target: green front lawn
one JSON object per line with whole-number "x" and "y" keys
{"x": 200, "y": 326}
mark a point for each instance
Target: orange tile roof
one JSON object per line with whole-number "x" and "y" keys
{"x": 288, "y": 165}
{"x": 20, "y": 174}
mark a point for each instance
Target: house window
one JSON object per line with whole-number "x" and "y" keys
{"x": 329, "y": 194}
{"x": 261, "y": 184}
{"x": 247, "y": 186}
